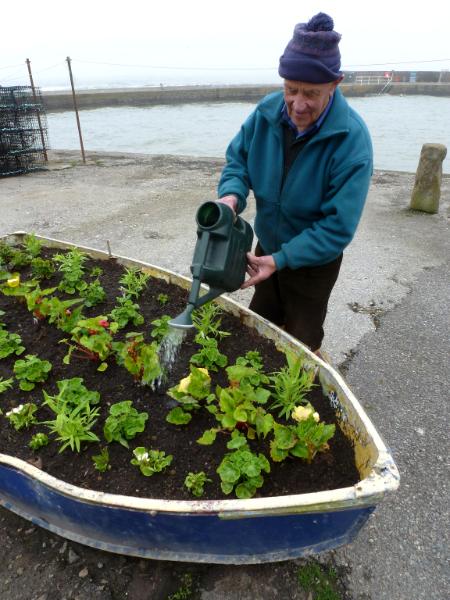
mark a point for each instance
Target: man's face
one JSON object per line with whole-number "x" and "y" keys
{"x": 306, "y": 101}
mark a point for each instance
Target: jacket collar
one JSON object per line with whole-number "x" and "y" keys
{"x": 336, "y": 122}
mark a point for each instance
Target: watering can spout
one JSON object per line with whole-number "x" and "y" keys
{"x": 219, "y": 257}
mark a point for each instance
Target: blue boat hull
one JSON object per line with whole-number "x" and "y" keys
{"x": 178, "y": 536}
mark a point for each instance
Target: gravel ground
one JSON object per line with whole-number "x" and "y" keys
{"x": 386, "y": 329}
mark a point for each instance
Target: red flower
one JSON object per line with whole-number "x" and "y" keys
{"x": 103, "y": 323}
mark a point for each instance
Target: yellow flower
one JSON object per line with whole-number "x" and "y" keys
{"x": 302, "y": 413}
{"x": 14, "y": 281}
{"x": 184, "y": 383}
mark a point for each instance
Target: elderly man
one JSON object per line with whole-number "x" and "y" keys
{"x": 307, "y": 156}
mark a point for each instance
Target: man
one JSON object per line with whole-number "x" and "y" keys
{"x": 307, "y": 156}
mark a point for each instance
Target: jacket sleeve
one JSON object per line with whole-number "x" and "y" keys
{"x": 341, "y": 211}
{"x": 235, "y": 177}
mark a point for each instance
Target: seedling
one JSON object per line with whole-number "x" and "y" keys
{"x": 209, "y": 356}
{"x": 207, "y": 320}
{"x": 22, "y": 416}
{"x": 10, "y": 343}
{"x": 5, "y": 384}
{"x": 303, "y": 440}
{"x": 195, "y": 483}
{"x": 42, "y": 268}
{"x": 150, "y": 461}
{"x": 134, "y": 281}
{"x": 139, "y": 358}
{"x": 38, "y": 441}
{"x": 101, "y": 461}
{"x": 93, "y": 293}
{"x": 71, "y": 265}
{"x": 125, "y": 312}
{"x": 162, "y": 299}
{"x": 191, "y": 389}
{"x": 30, "y": 371}
{"x": 161, "y": 328}
{"x": 124, "y": 423}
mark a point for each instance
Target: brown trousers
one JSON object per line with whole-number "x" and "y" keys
{"x": 297, "y": 299}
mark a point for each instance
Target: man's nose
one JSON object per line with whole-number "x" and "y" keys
{"x": 299, "y": 104}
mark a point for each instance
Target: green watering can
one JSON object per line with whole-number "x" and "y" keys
{"x": 219, "y": 256}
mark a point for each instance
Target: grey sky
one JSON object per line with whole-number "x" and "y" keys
{"x": 203, "y": 41}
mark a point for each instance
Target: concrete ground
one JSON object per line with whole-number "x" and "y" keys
{"x": 387, "y": 328}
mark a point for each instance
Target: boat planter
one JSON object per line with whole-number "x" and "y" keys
{"x": 212, "y": 531}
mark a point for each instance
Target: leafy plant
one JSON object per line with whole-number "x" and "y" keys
{"x": 241, "y": 408}
{"x": 96, "y": 272}
{"x": 291, "y": 385}
{"x": 241, "y": 470}
{"x": 42, "y": 268}
{"x": 72, "y": 425}
{"x": 134, "y": 281}
{"x": 101, "y": 461}
{"x": 38, "y": 441}
{"x": 22, "y": 416}
{"x": 62, "y": 313}
{"x": 161, "y": 328}
{"x": 191, "y": 389}
{"x": 72, "y": 392}
{"x": 150, "y": 461}
{"x": 195, "y": 483}
{"x": 33, "y": 246}
{"x": 207, "y": 320}
{"x": 93, "y": 293}
{"x": 10, "y": 343}
{"x": 320, "y": 580}
{"x": 247, "y": 370}
{"x": 71, "y": 265}
{"x": 93, "y": 338}
{"x": 139, "y": 358}
{"x": 36, "y": 300}
{"x": 124, "y": 423}
{"x": 162, "y": 299}
{"x": 209, "y": 356}
{"x": 5, "y": 384}
{"x": 31, "y": 370}
{"x": 6, "y": 253}
{"x": 126, "y": 311}
{"x": 19, "y": 259}
{"x": 303, "y": 440}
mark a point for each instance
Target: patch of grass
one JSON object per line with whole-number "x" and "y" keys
{"x": 185, "y": 591}
{"x": 320, "y": 580}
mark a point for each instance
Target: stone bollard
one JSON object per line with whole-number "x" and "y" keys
{"x": 427, "y": 186}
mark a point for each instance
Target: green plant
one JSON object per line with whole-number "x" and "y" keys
{"x": 209, "y": 356}
{"x": 207, "y": 320}
{"x": 319, "y": 580}
{"x": 10, "y": 343}
{"x": 240, "y": 407}
{"x": 62, "y": 313}
{"x": 93, "y": 293}
{"x": 72, "y": 392}
{"x": 247, "y": 370}
{"x": 303, "y": 440}
{"x": 126, "y": 311}
{"x": 33, "y": 246}
{"x": 93, "y": 337}
{"x": 38, "y": 441}
{"x": 6, "y": 253}
{"x": 134, "y": 281}
{"x": 162, "y": 299}
{"x": 150, "y": 461}
{"x": 195, "y": 483}
{"x": 19, "y": 259}
{"x": 22, "y": 416}
{"x": 161, "y": 328}
{"x": 5, "y": 384}
{"x": 139, "y": 358}
{"x": 96, "y": 272}
{"x": 72, "y": 426}
{"x": 191, "y": 389}
{"x": 36, "y": 300}
{"x": 101, "y": 461}
{"x": 42, "y": 268}
{"x": 71, "y": 265}
{"x": 124, "y": 423}
{"x": 31, "y": 370}
{"x": 291, "y": 385}
{"x": 185, "y": 591}
{"x": 241, "y": 470}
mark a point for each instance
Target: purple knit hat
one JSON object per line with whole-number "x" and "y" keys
{"x": 313, "y": 54}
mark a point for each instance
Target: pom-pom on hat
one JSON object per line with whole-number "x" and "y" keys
{"x": 313, "y": 53}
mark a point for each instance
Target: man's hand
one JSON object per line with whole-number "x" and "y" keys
{"x": 259, "y": 268}
{"x": 230, "y": 201}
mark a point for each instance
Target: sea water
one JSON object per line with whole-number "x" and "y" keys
{"x": 399, "y": 126}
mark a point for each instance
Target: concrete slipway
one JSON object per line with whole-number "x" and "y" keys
{"x": 388, "y": 329}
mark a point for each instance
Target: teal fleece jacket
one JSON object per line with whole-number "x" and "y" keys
{"x": 310, "y": 218}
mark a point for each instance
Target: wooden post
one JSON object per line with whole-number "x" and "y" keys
{"x": 76, "y": 110}
{"x": 38, "y": 115}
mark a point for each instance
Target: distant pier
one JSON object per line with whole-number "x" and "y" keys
{"x": 151, "y": 96}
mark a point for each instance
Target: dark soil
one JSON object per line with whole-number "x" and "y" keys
{"x": 332, "y": 469}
